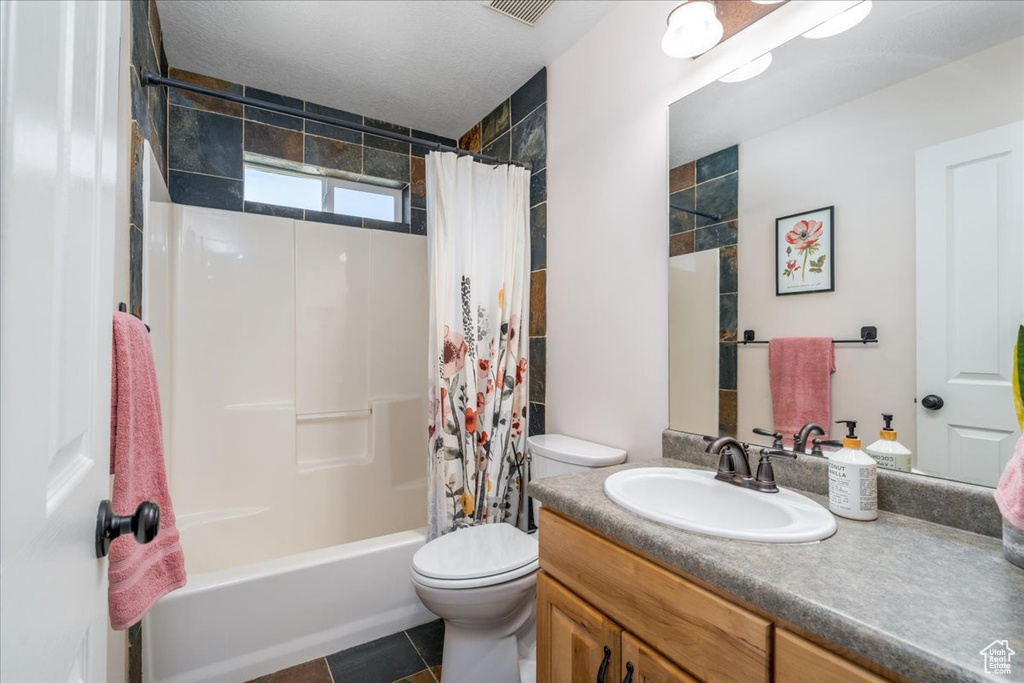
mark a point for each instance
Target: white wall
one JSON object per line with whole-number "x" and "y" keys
{"x": 607, "y": 241}
{"x": 860, "y": 157}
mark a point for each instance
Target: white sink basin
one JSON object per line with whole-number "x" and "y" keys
{"x": 695, "y": 501}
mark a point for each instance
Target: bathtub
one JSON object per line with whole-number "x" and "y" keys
{"x": 240, "y": 623}
{"x": 292, "y": 365}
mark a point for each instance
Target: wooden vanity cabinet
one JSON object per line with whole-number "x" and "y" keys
{"x": 574, "y": 641}
{"x": 603, "y": 606}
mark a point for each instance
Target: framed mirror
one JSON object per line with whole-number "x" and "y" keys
{"x": 879, "y": 174}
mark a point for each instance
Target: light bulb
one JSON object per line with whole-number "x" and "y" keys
{"x": 752, "y": 68}
{"x": 841, "y": 22}
{"x": 693, "y": 29}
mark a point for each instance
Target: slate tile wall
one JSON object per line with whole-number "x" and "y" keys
{"x": 208, "y": 139}
{"x": 149, "y": 122}
{"x": 517, "y": 129}
{"x": 711, "y": 184}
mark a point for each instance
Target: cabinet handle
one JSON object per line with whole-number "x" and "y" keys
{"x": 629, "y": 673}
{"x": 604, "y": 664}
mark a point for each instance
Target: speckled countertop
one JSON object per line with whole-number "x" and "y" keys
{"x": 918, "y": 598}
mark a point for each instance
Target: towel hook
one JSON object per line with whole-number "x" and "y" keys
{"x": 123, "y": 307}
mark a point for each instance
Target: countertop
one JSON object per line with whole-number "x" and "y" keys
{"x": 916, "y": 597}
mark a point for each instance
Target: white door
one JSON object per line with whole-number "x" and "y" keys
{"x": 970, "y": 301}
{"x": 58, "y": 143}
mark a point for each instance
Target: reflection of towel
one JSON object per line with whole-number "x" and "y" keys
{"x": 801, "y": 374}
{"x": 1010, "y": 493}
{"x": 139, "y": 574}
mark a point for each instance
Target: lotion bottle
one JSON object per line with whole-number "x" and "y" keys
{"x": 887, "y": 451}
{"x": 852, "y": 479}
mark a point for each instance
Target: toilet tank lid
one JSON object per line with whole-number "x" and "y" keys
{"x": 575, "y": 451}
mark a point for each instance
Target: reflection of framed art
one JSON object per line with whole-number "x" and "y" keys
{"x": 804, "y": 252}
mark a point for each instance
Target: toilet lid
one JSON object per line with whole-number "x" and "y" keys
{"x": 476, "y": 552}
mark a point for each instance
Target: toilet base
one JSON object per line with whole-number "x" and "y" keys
{"x": 470, "y": 655}
{"x": 486, "y": 629}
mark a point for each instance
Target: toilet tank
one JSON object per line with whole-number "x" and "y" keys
{"x": 554, "y": 454}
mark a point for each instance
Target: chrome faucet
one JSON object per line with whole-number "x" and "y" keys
{"x": 734, "y": 466}
{"x": 800, "y": 438}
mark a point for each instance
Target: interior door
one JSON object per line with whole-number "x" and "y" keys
{"x": 58, "y": 136}
{"x": 575, "y": 642}
{"x": 970, "y": 300}
{"x": 643, "y": 664}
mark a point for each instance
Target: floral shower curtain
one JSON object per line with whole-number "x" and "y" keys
{"x": 478, "y": 243}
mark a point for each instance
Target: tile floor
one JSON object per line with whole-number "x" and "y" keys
{"x": 412, "y": 656}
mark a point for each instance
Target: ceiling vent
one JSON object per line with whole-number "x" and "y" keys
{"x": 526, "y": 11}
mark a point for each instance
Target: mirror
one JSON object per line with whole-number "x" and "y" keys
{"x": 867, "y": 183}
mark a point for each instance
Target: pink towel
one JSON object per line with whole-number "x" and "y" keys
{"x": 139, "y": 574}
{"x": 1010, "y": 492}
{"x": 801, "y": 374}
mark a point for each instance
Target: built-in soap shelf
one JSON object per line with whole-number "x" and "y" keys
{"x": 341, "y": 415}
{"x": 333, "y": 439}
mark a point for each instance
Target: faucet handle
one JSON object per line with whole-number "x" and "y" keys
{"x": 776, "y": 436}
{"x": 765, "y": 478}
{"x": 778, "y": 453}
{"x": 818, "y": 443}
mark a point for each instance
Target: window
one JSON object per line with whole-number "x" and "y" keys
{"x": 320, "y": 193}
{"x": 362, "y": 199}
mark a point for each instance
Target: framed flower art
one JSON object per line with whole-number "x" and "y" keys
{"x": 804, "y": 252}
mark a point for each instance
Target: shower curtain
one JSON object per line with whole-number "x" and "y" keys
{"x": 478, "y": 244}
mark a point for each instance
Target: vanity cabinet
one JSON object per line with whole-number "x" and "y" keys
{"x": 578, "y": 641}
{"x": 600, "y": 604}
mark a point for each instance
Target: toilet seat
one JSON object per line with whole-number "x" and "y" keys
{"x": 485, "y": 555}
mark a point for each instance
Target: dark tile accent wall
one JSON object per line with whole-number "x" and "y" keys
{"x": 149, "y": 122}
{"x": 209, "y": 138}
{"x": 517, "y": 129}
{"x": 711, "y": 184}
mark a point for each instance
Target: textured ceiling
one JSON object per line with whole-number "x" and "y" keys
{"x": 433, "y": 66}
{"x": 900, "y": 39}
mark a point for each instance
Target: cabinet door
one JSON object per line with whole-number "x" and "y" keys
{"x": 574, "y": 641}
{"x": 647, "y": 665}
{"x": 801, "y": 661}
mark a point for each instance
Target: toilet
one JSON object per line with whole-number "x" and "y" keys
{"x": 482, "y": 580}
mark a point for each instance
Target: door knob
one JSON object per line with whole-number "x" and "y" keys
{"x": 932, "y": 402}
{"x": 144, "y": 525}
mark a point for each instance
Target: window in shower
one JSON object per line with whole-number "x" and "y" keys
{"x": 321, "y": 193}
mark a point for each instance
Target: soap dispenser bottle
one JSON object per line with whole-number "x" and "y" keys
{"x": 887, "y": 451}
{"x": 852, "y": 479}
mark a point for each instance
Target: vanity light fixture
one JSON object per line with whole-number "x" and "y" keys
{"x": 841, "y": 22}
{"x": 693, "y": 29}
{"x": 752, "y": 68}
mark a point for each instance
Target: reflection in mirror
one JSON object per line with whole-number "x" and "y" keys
{"x": 909, "y": 129}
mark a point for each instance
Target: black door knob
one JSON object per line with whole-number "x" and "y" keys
{"x": 932, "y": 402}
{"x": 144, "y": 525}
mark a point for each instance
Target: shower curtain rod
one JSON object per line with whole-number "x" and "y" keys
{"x": 149, "y": 78}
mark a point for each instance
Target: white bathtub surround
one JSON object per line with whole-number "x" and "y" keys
{"x": 297, "y": 406}
{"x": 297, "y": 385}
{"x": 478, "y": 243}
